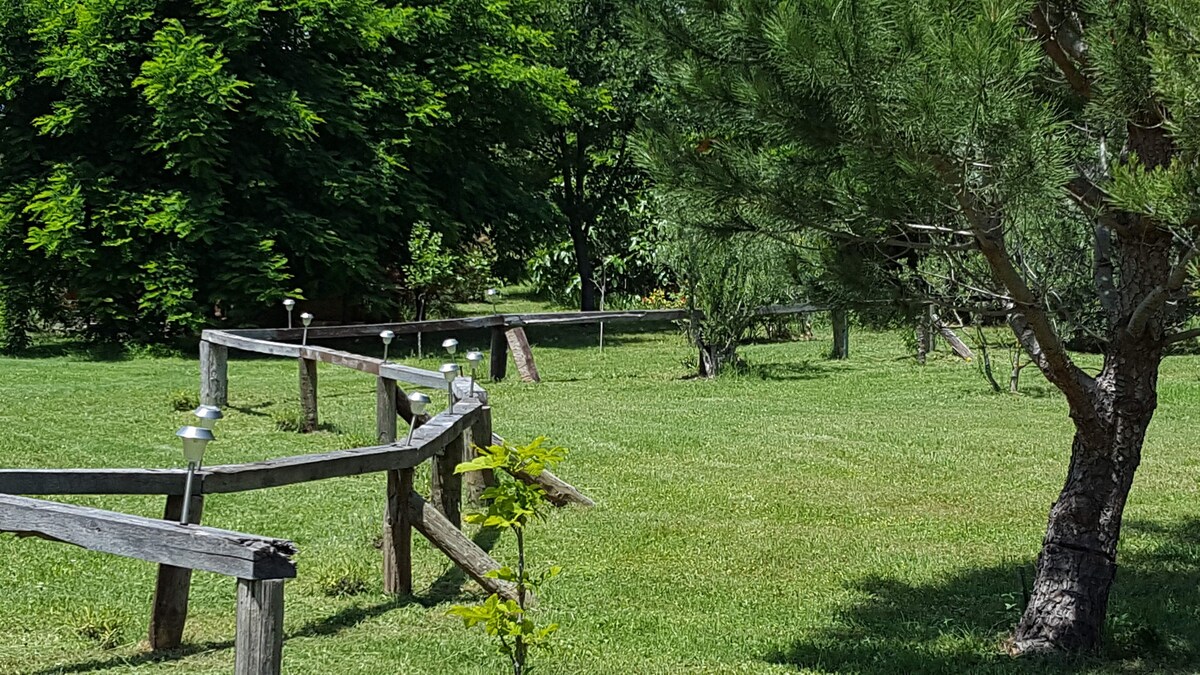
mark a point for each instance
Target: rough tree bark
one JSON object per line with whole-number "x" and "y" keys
{"x": 583, "y": 264}
{"x": 1078, "y": 562}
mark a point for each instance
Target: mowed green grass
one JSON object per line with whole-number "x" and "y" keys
{"x": 868, "y": 516}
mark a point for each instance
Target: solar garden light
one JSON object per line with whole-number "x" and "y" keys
{"x": 387, "y": 336}
{"x": 449, "y": 371}
{"x": 289, "y": 304}
{"x": 450, "y": 345}
{"x": 493, "y": 294}
{"x": 195, "y": 439}
{"x": 207, "y": 416}
{"x": 305, "y": 319}
{"x": 474, "y": 357}
{"x": 417, "y": 402}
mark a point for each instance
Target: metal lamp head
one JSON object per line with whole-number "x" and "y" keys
{"x": 208, "y": 416}
{"x": 418, "y": 402}
{"x": 493, "y": 292}
{"x": 195, "y": 440}
{"x": 449, "y": 371}
{"x": 450, "y": 345}
{"x": 288, "y": 304}
{"x": 306, "y": 319}
{"x": 474, "y": 357}
{"x": 387, "y": 336}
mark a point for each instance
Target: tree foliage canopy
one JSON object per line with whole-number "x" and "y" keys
{"x": 163, "y": 164}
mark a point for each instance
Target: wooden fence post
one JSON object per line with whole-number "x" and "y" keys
{"x": 445, "y": 486}
{"x": 841, "y": 334}
{"x": 397, "y": 531}
{"x": 498, "y": 364}
{"x": 308, "y": 395}
{"x": 214, "y": 374}
{"x": 168, "y": 615}
{"x": 522, "y": 354}
{"x": 476, "y": 482}
{"x": 385, "y": 411}
{"x": 259, "y": 643}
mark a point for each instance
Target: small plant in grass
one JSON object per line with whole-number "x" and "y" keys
{"x": 512, "y": 504}
{"x": 342, "y": 582}
{"x": 286, "y": 420}
{"x": 182, "y": 399}
{"x": 101, "y": 627}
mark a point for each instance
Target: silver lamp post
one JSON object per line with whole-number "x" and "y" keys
{"x": 474, "y": 357}
{"x": 208, "y": 416}
{"x": 493, "y": 294}
{"x": 305, "y": 319}
{"x": 387, "y": 336}
{"x": 195, "y": 440}
{"x": 450, "y": 345}
{"x": 289, "y": 304}
{"x": 417, "y": 402}
{"x": 449, "y": 371}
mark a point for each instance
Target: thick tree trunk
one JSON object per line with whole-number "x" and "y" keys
{"x": 583, "y": 264}
{"x": 1077, "y": 564}
{"x": 714, "y": 359}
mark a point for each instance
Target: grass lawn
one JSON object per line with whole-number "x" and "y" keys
{"x": 869, "y": 516}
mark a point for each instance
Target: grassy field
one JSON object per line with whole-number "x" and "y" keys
{"x": 869, "y": 516}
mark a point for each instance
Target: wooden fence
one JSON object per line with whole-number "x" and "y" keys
{"x": 262, "y": 564}
{"x": 507, "y": 335}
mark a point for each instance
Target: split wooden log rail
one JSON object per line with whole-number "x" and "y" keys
{"x": 260, "y": 563}
{"x": 507, "y": 336}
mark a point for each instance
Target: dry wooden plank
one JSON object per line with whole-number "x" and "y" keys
{"x": 259, "y": 641}
{"x": 92, "y": 481}
{"x": 498, "y": 355}
{"x": 247, "y": 344}
{"x": 308, "y": 395}
{"x": 457, "y": 546}
{"x": 385, "y": 411}
{"x": 959, "y": 347}
{"x": 558, "y": 491}
{"x": 397, "y": 535}
{"x": 522, "y": 354}
{"x": 426, "y": 441}
{"x": 772, "y": 310}
{"x": 370, "y": 329}
{"x": 168, "y": 613}
{"x": 214, "y": 374}
{"x": 841, "y": 334}
{"x": 202, "y": 548}
{"x": 583, "y": 318}
{"x": 475, "y": 482}
{"x": 445, "y": 486}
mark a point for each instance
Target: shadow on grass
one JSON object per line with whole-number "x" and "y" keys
{"x": 444, "y": 589}
{"x": 959, "y": 625}
{"x": 804, "y": 370}
{"x": 144, "y": 658}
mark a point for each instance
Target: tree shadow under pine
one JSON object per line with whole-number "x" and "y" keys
{"x": 959, "y": 625}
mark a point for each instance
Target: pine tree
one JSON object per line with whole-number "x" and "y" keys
{"x": 1024, "y": 148}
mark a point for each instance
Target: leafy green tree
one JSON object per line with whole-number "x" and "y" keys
{"x": 725, "y": 280}
{"x": 512, "y": 505}
{"x": 165, "y": 165}
{"x": 1021, "y": 145}
{"x": 594, "y": 185}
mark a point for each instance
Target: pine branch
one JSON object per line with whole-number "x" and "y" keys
{"x": 1054, "y": 49}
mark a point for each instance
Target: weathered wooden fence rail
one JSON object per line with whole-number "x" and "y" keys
{"x": 259, "y": 562}
{"x": 507, "y": 335}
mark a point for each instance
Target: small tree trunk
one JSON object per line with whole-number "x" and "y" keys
{"x": 1077, "y": 564}
{"x": 1014, "y": 376}
{"x": 583, "y": 264}
{"x": 924, "y": 340}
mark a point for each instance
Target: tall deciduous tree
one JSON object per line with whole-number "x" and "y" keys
{"x": 166, "y": 164}
{"x": 594, "y": 182}
{"x": 1008, "y": 140}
